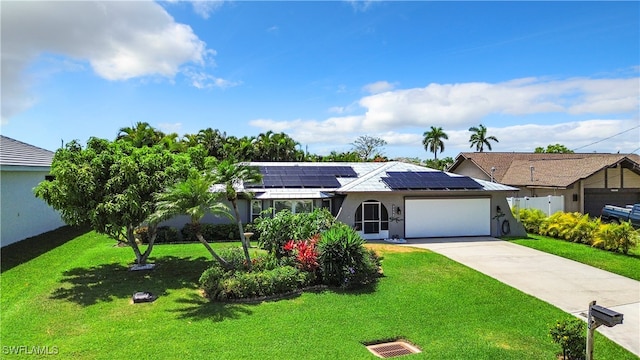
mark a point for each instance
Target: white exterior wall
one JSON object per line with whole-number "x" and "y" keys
{"x": 22, "y": 214}
{"x": 354, "y": 200}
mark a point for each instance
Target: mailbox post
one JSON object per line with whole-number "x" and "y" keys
{"x": 597, "y": 316}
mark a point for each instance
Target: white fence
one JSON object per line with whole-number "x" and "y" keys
{"x": 548, "y": 204}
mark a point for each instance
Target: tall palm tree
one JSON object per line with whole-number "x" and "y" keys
{"x": 233, "y": 176}
{"x": 433, "y": 140}
{"x": 140, "y": 134}
{"x": 479, "y": 138}
{"x": 213, "y": 141}
{"x": 194, "y": 198}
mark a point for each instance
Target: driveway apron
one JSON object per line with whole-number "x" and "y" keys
{"x": 566, "y": 284}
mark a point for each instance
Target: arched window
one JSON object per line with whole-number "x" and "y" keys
{"x": 371, "y": 217}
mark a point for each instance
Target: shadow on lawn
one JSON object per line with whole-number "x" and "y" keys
{"x": 198, "y": 308}
{"x": 22, "y": 251}
{"x": 108, "y": 282}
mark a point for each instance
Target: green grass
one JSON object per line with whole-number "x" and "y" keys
{"x": 617, "y": 263}
{"x": 76, "y": 297}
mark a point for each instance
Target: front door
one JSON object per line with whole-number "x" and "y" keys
{"x": 371, "y": 220}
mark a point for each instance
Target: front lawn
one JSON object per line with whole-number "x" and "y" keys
{"x": 76, "y": 298}
{"x": 617, "y": 263}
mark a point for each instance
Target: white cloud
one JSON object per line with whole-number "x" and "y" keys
{"x": 361, "y": 5}
{"x": 378, "y": 87}
{"x": 120, "y": 40}
{"x": 205, "y": 8}
{"x": 456, "y": 105}
{"x": 312, "y": 132}
{"x": 203, "y": 80}
{"x": 400, "y": 116}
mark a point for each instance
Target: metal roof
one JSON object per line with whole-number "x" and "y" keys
{"x": 17, "y": 153}
{"x": 370, "y": 178}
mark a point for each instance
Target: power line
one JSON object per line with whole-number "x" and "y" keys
{"x": 607, "y": 138}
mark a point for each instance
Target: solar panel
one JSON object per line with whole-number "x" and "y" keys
{"x": 428, "y": 180}
{"x": 296, "y": 176}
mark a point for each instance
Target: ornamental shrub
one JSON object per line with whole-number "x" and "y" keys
{"x": 570, "y": 335}
{"x": 616, "y": 237}
{"x": 211, "y": 282}
{"x": 343, "y": 259}
{"x": 223, "y": 285}
{"x": 531, "y": 219}
{"x": 212, "y": 232}
{"x": 304, "y": 253}
{"x": 167, "y": 234}
{"x": 164, "y": 234}
{"x": 275, "y": 232}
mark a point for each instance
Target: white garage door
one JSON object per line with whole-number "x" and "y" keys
{"x": 447, "y": 217}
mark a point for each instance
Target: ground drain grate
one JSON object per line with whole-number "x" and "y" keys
{"x": 392, "y": 349}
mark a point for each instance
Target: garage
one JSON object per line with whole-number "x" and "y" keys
{"x": 446, "y": 217}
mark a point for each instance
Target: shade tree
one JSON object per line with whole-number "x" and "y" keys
{"x": 110, "y": 186}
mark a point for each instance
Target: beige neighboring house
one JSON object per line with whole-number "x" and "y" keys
{"x": 22, "y": 215}
{"x": 587, "y": 181}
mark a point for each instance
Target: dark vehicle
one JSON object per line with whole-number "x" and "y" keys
{"x": 619, "y": 214}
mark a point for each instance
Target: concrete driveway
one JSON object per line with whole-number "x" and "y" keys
{"x": 567, "y": 284}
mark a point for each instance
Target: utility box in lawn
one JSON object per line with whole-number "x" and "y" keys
{"x": 141, "y": 297}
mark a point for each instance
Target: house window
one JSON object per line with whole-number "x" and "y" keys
{"x": 295, "y": 206}
{"x": 371, "y": 217}
{"x": 256, "y": 209}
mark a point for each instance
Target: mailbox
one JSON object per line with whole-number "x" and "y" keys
{"x": 606, "y": 317}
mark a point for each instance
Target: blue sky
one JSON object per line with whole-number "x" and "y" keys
{"x": 534, "y": 73}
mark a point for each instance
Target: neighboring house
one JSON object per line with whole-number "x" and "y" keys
{"x": 587, "y": 181}
{"x": 22, "y": 215}
{"x": 383, "y": 199}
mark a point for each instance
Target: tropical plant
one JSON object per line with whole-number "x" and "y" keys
{"x": 553, "y": 149}
{"x": 192, "y": 197}
{"x": 343, "y": 259}
{"x": 304, "y": 252}
{"x": 626, "y": 236}
{"x": 139, "y": 135}
{"x": 440, "y": 164}
{"x": 171, "y": 143}
{"x": 531, "y": 219}
{"x": 616, "y": 237}
{"x": 110, "y": 186}
{"x": 276, "y": 231}
{"x": 433, "y": 140}
{"x": 233, "y": 176}
{"x": 335, "y": 156}
{"x": 570, "y": 335}
{"x": 213, "y": 141}
{"x": 479, "y": 138}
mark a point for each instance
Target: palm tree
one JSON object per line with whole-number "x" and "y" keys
{"x": 479, "y": 138}
{"x": 233, "y": 176}
{"x": 433, "y": 140}
{"x": 194, "y": 198}
{"x": 141, "y": 134}
{"x": 213, "y": 141}
{"x": 171, "y": 143}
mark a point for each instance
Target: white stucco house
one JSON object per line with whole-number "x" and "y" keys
{"x": 22, "y": 215}
{"x": 382, "y": 199}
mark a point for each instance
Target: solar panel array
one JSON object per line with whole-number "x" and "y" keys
{"x": 302, "y": 176}
{"x": 428, "y": 180}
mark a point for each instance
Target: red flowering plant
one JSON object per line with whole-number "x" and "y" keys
{"x": 304, "y": 252}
